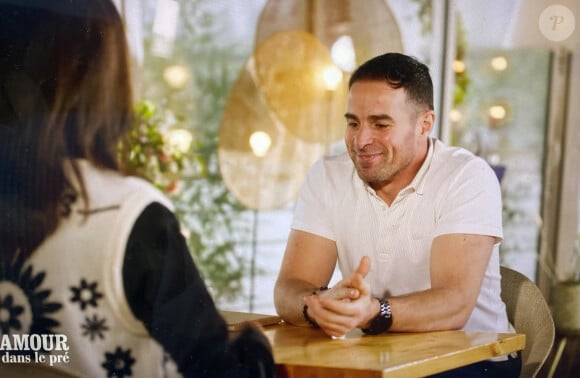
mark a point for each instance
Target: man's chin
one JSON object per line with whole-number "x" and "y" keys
{"x": 372, "y": 177}
{"x": 366, "y": 175}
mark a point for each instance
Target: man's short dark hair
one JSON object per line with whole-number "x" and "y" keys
{"x": 399, "y": 71}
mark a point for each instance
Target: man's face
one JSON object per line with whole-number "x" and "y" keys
{"x": 383, "y": 132}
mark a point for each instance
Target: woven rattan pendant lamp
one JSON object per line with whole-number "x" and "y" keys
{"x": 281, "y": 115}
{"x": 289, "y": 63}
{"x": 261, "y": 163}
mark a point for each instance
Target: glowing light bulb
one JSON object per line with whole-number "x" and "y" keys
{"x": 176, "y": 76}
{"x": 499, "y": 63}
{"x": 260, "y": 143}
{"x": 458, "y": 66}
{"x": 455, "y": 115}
{"x": 497, "y": 112}
{"x": 180, "y": 139}
{"x": 332, "y": 76}
{"x": 343, "y": 54}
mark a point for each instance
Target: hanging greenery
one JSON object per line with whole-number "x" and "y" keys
{"x": 157, "y": 150}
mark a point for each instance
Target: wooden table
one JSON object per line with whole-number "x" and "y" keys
{"x": 306, "y": 352}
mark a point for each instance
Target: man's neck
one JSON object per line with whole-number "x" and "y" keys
{"x": 388, "y": 190}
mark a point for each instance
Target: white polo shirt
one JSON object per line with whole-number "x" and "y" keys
{"x": 453, "y": 192}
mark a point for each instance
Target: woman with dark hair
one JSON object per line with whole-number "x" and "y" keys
{"x": 92, "y": 260}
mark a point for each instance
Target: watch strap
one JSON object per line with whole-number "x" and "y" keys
{"x": 383, "y": 321}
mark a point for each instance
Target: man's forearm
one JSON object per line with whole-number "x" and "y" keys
{"x": 288, "y": 299}
{"x": 430, "y": 310}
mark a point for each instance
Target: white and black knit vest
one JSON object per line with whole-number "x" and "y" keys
{"x": 73, "y": 284}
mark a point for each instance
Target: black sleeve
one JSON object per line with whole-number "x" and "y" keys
{"x": 166, "y": 292}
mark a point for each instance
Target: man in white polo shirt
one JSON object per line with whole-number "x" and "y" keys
{"x": 413, "y": 224}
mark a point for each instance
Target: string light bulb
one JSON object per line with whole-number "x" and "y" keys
{"x": 332, "y": 77}
{"x": 499, "y": 63}
{"x": 343, "y": 54}
{"x": 180, "y": 139}
{"x": 260, "y": 142}
{"x": 458, "y": 66}
{"x": 497, "y": 112}
{"x": 176, "y": 76}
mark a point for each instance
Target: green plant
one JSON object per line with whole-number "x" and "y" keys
{"x": 213, "y": 216}
{"x": 203, "y": 204}
{"x": 152, "y": 153}
{"x": 212, "y": 219}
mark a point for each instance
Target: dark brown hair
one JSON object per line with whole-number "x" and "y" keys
{"x": 65, "y": 93}
{"x": 399, "y": 71}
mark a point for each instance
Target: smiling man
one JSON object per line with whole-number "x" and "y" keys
{"x": 413, "y": 224}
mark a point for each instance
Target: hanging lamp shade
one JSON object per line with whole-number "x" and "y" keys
{"x": 370, "y": 24}
{"x": 290, "y": 71}
{"x": 261, "y": 163}
{"x": 296, "y": 40}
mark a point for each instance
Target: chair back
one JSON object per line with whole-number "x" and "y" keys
{"x": 530, "y": 314}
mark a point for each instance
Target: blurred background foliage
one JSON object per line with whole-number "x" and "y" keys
{"x": 212, "y": 219}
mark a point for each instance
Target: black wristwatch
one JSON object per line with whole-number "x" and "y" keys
{"x": 382, "y": 321}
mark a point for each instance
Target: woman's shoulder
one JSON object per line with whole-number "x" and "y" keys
{"x": 107, "y": 186}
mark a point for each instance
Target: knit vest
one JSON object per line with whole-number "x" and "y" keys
{"x": 70, "y": 291}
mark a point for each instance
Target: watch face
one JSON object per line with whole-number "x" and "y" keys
{"x": 385, "y": 311}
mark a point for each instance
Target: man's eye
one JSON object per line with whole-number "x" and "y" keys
{"x": 382, "y": 125}
{"x": 352, "y": 124}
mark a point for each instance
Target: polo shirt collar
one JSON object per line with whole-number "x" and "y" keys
{"x": 418, "y": 183}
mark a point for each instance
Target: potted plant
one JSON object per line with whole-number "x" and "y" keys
{"x": 158, "y": 150}
{"x": 208, "y": 214}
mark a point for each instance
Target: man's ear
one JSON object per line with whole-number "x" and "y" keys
{"x": 426, "y": 121}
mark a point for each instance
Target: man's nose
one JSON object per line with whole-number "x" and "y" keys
{"x": 364, "y": 136}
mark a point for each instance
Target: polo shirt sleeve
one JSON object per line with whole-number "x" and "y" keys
{"x": 311, "y": 213}
{"x": 471, "y": 202}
